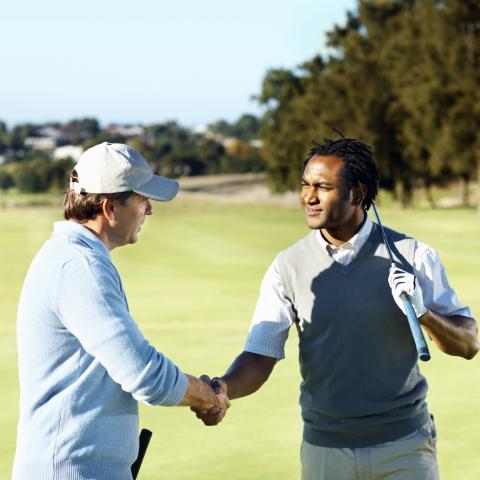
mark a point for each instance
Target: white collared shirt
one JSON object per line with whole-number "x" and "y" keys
{"x": 347, "y": 252}
{"x": 274, "y": 314}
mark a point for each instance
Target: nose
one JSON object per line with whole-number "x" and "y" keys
{"x": 148, "y": 208}
{"x": 309, "y": 195}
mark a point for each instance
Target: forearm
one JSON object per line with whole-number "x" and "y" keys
{"x": 247, "y": 374}
{"x": 199, "y": 395}
{"x": 454, "y": 335}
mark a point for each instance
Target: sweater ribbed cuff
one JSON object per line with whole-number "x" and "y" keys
{"x": 178, "y": 392}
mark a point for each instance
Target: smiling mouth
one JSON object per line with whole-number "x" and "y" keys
{"x": 311, "y": 212}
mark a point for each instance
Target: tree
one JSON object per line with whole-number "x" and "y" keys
{"x": 6, "y": 179}
{"x": 32, "y": 176}
{"x": 282, "y": 129}
{"x": 403, "y": 76}
{"x": 78, "y": 131}
{"x": 15, "y": 139}
{"x": 3, "y": 136}
{"x": 247, "y": 127}
{"x": 209, "y": 153}
{"x": 40, "y": 174}
{"x": 462, "y": 120}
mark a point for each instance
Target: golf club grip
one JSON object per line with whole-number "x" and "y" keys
{"x": 418, "y": 337}
{"x": 143, "y": 441}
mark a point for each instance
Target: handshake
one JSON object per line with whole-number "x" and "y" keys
{"x": 214, "y": 406}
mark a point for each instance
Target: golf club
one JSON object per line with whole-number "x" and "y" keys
{"x": 418, "y": 337}
{"x": 143, "y": 442}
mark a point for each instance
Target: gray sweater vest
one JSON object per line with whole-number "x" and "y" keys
{"x": 361, "y": 382}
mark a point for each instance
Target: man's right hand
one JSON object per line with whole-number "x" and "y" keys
{"x": 214, "y": 415}
{"x": 201, "y": 396}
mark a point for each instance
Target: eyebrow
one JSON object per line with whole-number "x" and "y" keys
{"x": 317, "y": 184}
{"x": 141, "y": 197}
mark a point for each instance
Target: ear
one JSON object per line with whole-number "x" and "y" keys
{"x": 108, "y": 209}
{"x": 358, "y": 194}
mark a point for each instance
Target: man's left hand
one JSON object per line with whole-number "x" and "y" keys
{"x": 400, "y": 282}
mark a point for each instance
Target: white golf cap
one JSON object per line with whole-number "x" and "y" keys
{"x": 114, "y": 168}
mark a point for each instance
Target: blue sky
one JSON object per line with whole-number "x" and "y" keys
{"x": 150, "y": 61}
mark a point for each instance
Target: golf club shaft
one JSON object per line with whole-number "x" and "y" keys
{"x": 417, "y": 333}
{"x": 143, "y": 442}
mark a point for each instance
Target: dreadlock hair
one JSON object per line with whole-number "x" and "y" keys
{"x": 359, "y": 165}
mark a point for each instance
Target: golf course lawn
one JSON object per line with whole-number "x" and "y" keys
{"x": 192, "y": 283}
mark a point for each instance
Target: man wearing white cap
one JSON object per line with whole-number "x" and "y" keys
{"x": 83, "y": 362}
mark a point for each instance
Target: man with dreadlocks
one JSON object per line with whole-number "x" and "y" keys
{"x": 363, "y": 398}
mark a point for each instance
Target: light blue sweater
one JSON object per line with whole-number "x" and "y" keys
{"x": 83, "y": 365}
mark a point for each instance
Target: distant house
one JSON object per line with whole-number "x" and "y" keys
{"x": 51, "y": 131}
{"x": 200, "y": 129}
{"x": 228, "y": 142}
{"x": 68, "y": 151}
{"x": 46, "y": 144}
{"x": 256, "y": 143}
{"x": 126, "y": 130}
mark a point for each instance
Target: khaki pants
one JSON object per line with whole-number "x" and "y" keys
{"x": 409, "y": 458}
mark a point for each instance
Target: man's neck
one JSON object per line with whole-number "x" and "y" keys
{"x": 97, "y": 228}
{"x": 343, "y": 234}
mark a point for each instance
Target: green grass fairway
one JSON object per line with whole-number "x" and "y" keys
{"x": 192, "y": 282}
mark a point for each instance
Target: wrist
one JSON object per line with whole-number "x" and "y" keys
{"x": 218, "y": 381}
{"x": 419, "y": 306}
{"x": 423, "y": 319}
{"x": 199, "y": 394}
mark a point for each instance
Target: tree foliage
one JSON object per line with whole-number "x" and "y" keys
{"x": 246, "y": 128}
{"x": 403, "y": 76}
{"x": 171, "y": 149}
{"x": 40, "y": 174}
